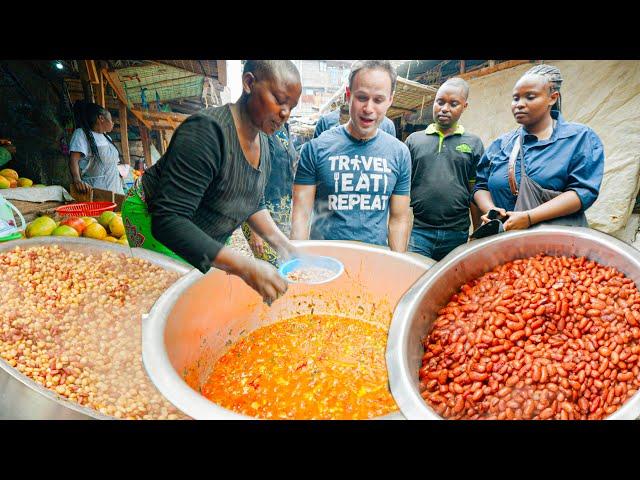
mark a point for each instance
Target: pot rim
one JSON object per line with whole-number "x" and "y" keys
{"x": 156, "y": 359}
{"x": 153, "y": 257}
{"x": 404, "y": 386}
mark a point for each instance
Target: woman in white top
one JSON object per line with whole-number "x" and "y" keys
{"x": 94, "y": 157}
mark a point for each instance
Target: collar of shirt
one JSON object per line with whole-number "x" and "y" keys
{"x": 432, "y": 129}
{"x": 359, "y": 141}
{"x": 562, "y": 129}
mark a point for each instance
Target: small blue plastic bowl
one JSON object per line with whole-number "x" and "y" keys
{"x": 329, "y": 263}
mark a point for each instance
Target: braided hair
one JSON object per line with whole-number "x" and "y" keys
{"x": 553, "y": 77}
{"x": 86, "y": 114}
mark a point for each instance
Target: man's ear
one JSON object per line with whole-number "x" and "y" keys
{"x": 248, "y": 81}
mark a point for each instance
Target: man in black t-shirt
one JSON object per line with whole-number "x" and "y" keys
{"x": 444, "y": 159}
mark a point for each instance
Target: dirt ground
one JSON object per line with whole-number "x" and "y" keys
{"x": 239, "y": 243}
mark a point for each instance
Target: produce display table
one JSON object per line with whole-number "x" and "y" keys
{"x": 32, "y": 210}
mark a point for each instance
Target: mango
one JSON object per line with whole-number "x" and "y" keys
{"x": 9, "y": 173}
{"x": 105, "y": 218}
{"x": 88, "y": 220}
{"x": 116, "y": 227}
{"x": 110, "y": 239}
{"x": 25, "y": 182}
{"x": 95, "y": 230}
{"x": 65, "y": 231}
{"x": 4, "y": 182}
{"x": 123, "y": 241}
{"x": 41, "y": 227}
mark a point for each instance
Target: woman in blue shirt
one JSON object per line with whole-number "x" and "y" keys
{"x": 564, "y": 159}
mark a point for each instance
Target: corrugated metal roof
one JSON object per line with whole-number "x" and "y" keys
{"x": 208, "y": 68}
{"x": 440, "y": 69}
{"x": 167, "y": 81}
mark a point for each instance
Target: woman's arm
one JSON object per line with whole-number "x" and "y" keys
{"x": 262, "y": 224}
{"x": 564, "y": 204}
{"x": 481, "y": 195}
{"x": 584, "y": 176}
{"x": 257, "y": 274}
{"x": 484, "y": 201}
{"x": 74, "y": 168}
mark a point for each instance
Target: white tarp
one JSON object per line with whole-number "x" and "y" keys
{"x": 603, "y": 94}
{"x": 51, "y": 193}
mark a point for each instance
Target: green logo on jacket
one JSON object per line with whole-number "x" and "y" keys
{"x": 464, "y": 148}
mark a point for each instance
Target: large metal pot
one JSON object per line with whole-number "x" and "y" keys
{"x": 419, "y": 306}
{"x": 195, "y": 320}
{"x": 23, "y": 399}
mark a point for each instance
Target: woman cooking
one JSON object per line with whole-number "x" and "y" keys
{"x": 94, "y": 157}
{"x": 548, "y": 170}
{"x": 212, "y": 178}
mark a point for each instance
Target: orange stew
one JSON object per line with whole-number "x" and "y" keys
{"x": 308, "y": 367}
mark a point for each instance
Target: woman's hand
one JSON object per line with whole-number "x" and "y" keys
{"x": 517, "y": 221}
{"x": 81, "y": 186}
{"x": 288, "y": 250}
{"x": 485, "y": 218}
{"x": 264, "y": 279}
{"x": 256, "y": 243}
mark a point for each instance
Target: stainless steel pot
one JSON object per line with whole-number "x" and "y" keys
{"x": 195, "y": 320}
{"x": 419, "y": 306}
{"x": 23, "y": 399}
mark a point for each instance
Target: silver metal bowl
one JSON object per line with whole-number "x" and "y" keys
{"x": 418, "y": 308}
{"x": 23, "y": 399}
{"x": 196, "y": 319}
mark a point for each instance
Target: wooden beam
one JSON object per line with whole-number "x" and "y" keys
{"x": 394, "y": 107}
{"x": 163, "y": 141}
{"x": 124, "y": 134}
{"x": 492, "y": 63}
{"x": 84, "y": 79}
{"x": 495, "y": 68}
{"x": 92, "y": 71}
{"x": 166, "y": 116}
{"x": 146, "y": 144}
{"x": 222, "y": 72}
{"x": 100, "y": 93}
{"x": 462, "y": 66}
{"x": 115, "y": 84}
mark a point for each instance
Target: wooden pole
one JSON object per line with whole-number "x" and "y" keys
{"x": 162, "y": 146}
{"x": 222, "y": 72}
{"x": 124, "y": 134}
{"x": 115, "y": 84}
{"x": 101, "y": 89}
{"x": 146, "y": 145}
{"x": 462, "y": 66}
{"x": 84, "y": 79}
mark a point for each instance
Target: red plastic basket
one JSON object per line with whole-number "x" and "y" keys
{"x": 86, "y": 209}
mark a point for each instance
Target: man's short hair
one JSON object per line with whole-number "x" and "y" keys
{"x": 373, "y": 64}
{"x": 460, "y": 83}
{"x": 271, "y": 68}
